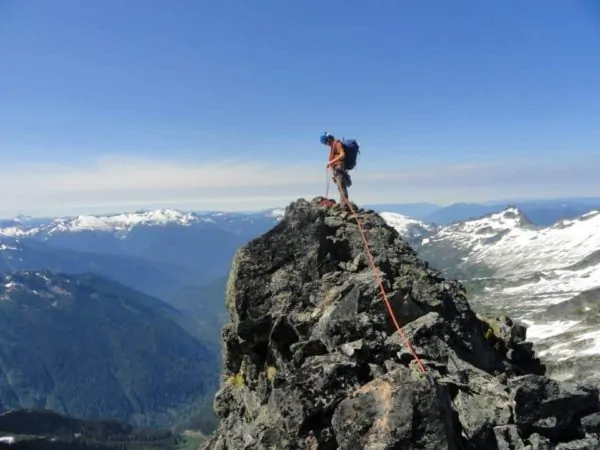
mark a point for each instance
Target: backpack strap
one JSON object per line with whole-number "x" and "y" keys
{"x": 338, "y": 141}
{"x": 333, "y": 153}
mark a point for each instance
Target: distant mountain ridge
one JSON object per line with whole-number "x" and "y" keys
{"x": 200, "y": 247}
{"x": 122, "y": 223}
{"x": 540, "y": 212}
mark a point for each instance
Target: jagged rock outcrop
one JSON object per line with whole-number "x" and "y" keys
{"x": 313, "y": 361}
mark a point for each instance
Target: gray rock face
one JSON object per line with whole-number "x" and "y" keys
{"x": 312, "y": 359}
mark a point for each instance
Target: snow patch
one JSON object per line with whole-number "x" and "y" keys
{"x": 538, "y": 331}
{"x": 16, "y": 231}
{"x": 585, "y": 344}
{"x": 406, "y": 226}
{"x": 277, "y": 213}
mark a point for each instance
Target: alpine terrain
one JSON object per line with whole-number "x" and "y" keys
{"x": 313, "y": 361}
{"x": 547, "y": 277}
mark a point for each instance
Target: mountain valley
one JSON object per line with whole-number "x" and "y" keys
{"x": 90, "y": 347}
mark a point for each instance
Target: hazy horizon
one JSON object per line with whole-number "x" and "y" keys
{"x": 134, "y": 209}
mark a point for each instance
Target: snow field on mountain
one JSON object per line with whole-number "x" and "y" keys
{"x": 407, "y": 226}
{"x": 504, "y": 241}
{"x": 534, "y": 268}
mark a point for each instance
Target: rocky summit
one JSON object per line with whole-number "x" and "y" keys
{"x": 312, "y": 359}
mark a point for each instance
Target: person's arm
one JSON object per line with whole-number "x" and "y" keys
{"x": 340, "y": 153}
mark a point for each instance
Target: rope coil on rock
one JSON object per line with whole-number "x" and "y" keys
{"x": 380, "y": 283}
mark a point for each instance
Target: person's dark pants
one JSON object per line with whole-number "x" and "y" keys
{"x": 343, "y": 182}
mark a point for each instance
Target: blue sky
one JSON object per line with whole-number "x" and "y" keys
{"x": 218, "y": 105}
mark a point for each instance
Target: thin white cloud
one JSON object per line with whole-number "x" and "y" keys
{"x": 114, "y": 183}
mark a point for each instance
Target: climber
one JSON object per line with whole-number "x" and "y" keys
{"x": 337, "y": 160}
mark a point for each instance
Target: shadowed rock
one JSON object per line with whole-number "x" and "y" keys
{"x": 313, "y": 361}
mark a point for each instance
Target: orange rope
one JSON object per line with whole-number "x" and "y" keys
{"x": 380, "y": 282}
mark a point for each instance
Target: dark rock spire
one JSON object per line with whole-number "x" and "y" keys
{"x": 313, "y": 361}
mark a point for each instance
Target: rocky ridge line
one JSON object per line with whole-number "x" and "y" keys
{"x": 312, "y": 360}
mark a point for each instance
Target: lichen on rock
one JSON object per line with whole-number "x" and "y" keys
{"x": 312, "y": 359}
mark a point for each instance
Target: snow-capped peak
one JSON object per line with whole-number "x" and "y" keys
{"x": 491, "y": 224}
{"x": 411, "y": 229}
{"x": 123, "y": 221}
{"x": 402, "y": 223}
{"x": 507, "y": 240}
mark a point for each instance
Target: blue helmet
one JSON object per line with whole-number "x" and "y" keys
{"x": 324, "y": 137}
